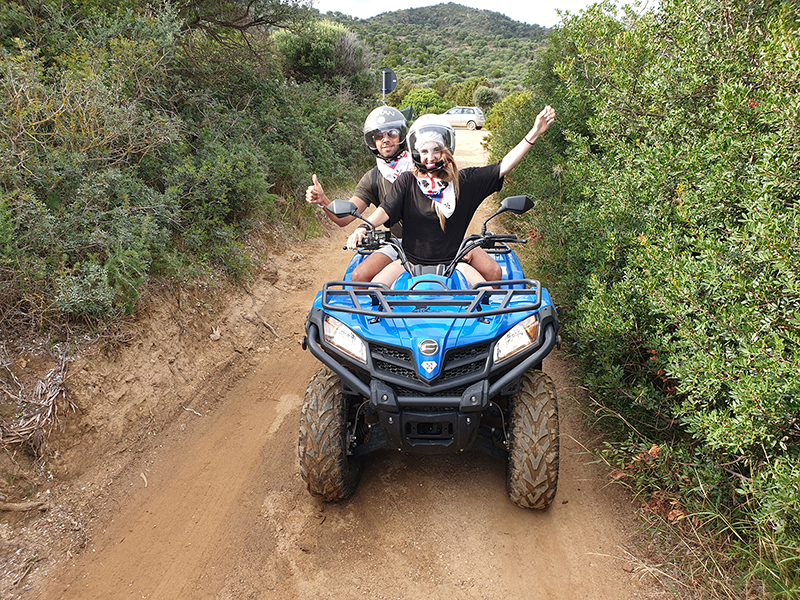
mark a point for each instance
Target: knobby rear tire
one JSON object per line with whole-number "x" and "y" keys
{"x": 532, "y": 470}
{"x": 324, "y": 464}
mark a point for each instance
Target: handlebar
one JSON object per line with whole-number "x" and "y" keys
{"x": 375, "y": 238}
{"x": 489, "y": 239}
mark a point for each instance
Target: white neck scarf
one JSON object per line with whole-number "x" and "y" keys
{"x": 441, "y": 192}
{"x": 391, "y": 170}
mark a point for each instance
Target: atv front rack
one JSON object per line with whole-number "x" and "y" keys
{"x": 381, "y": 302}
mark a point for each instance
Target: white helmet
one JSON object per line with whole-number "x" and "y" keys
{"x": 382, "y": 120}
{"x": 426, "y": 129}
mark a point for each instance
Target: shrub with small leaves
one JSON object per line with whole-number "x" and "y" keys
{"x": 673, "y": 246}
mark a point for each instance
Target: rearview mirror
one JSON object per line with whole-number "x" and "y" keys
{"x": 514, "y": 204}
{"x": 517, "y": 204}
{"x": 342, "y": 208}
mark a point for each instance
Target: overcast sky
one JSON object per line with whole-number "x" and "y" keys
{"x": 535, "y": 12}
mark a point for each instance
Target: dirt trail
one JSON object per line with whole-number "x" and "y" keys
{"x": 187, "y": 486}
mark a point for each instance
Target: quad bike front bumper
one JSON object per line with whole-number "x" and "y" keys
{"x": 432, "y": 424}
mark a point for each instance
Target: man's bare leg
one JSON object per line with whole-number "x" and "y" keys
{"x": 389, "y": 274}
{"x": 370, "y": 267}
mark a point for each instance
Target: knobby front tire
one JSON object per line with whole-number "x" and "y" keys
{"x": 532, "y": 470}
{"x": 324, "y": 464}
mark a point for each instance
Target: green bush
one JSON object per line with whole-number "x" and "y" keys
{"x": 426, "y": 101}
{"x": 135, "y": 147}
{"x": 462, "y": 93}
{"x": 326, "y": 51}
{"x": 485, "y": 97}
{"x": 672, "y": 244}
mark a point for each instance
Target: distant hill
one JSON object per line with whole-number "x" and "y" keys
{"x": 455, "y": 16}
{"x": 450, "y": 43}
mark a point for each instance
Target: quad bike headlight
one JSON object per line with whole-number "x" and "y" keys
{"x": 341, "y": 337}
{"x": 520, "y": 337}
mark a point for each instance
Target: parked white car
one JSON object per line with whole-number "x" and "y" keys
{"x": 470, "y": 117}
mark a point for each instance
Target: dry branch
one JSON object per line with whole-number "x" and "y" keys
{"x": 21, "y": 506}
{"x": 38, "y": 412}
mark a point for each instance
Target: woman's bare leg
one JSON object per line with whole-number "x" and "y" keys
{"x": 471, "y": 273}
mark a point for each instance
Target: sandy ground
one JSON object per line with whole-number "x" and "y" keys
{"x": 177, "y": 476}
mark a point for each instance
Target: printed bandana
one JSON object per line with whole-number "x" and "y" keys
{"x": 391, "y": 170}
{"x": 441, "y": 192}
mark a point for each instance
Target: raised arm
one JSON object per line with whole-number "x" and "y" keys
{"x": 518, "y": 152}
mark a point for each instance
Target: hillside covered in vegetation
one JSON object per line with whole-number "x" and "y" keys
{"x": 443, "y": 45}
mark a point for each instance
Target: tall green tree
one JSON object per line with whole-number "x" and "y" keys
{"x": 214, "y": 16}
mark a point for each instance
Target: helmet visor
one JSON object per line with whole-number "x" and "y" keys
{"x": 391, "y": 132}
{"x": 430, "y": 138}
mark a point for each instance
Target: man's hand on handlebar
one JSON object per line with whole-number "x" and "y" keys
{"x": 355, "y": 238}
{"x": 372, "y": 239}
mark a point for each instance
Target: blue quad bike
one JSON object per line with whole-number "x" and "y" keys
{"x": 431, "y": 366}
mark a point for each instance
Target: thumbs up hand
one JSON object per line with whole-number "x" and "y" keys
{"x": 315, "y": 194}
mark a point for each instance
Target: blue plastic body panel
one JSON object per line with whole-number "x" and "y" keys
{"x": 432, "y": 307}
{"x": 430, "y": 367}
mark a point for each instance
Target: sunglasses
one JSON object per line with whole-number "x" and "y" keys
{"x": 390, "y": 133}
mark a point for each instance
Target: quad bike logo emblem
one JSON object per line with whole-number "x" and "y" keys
{"x": 428, "y": 348}
{"x": 429, "y": 366}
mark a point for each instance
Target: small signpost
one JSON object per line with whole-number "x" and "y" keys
{"x": 388, "y": 82}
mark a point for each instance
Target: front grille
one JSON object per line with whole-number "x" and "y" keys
{"x": 461, "y": 371}
{"x": 465, "y": 361}
{"x": 396, "y": 370}
{"x": 453, "y": 392}
{"x": 398, "y": 354}
{"x": 480, "y": 351}
{"x": 459, "y": 363}
{"x": 398, "y": 362}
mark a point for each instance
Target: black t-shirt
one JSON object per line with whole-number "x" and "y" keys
{"x": 424, "y": 241}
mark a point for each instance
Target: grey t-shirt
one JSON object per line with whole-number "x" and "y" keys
{"x": 364, "y": 191}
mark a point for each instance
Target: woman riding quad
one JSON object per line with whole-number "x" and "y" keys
{"x": 385, "y": 131}
{"x": 436, "y": 200}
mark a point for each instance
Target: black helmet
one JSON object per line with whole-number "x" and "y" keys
{"x": 382, "y": 120}
{"x": 430, "y": 128}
